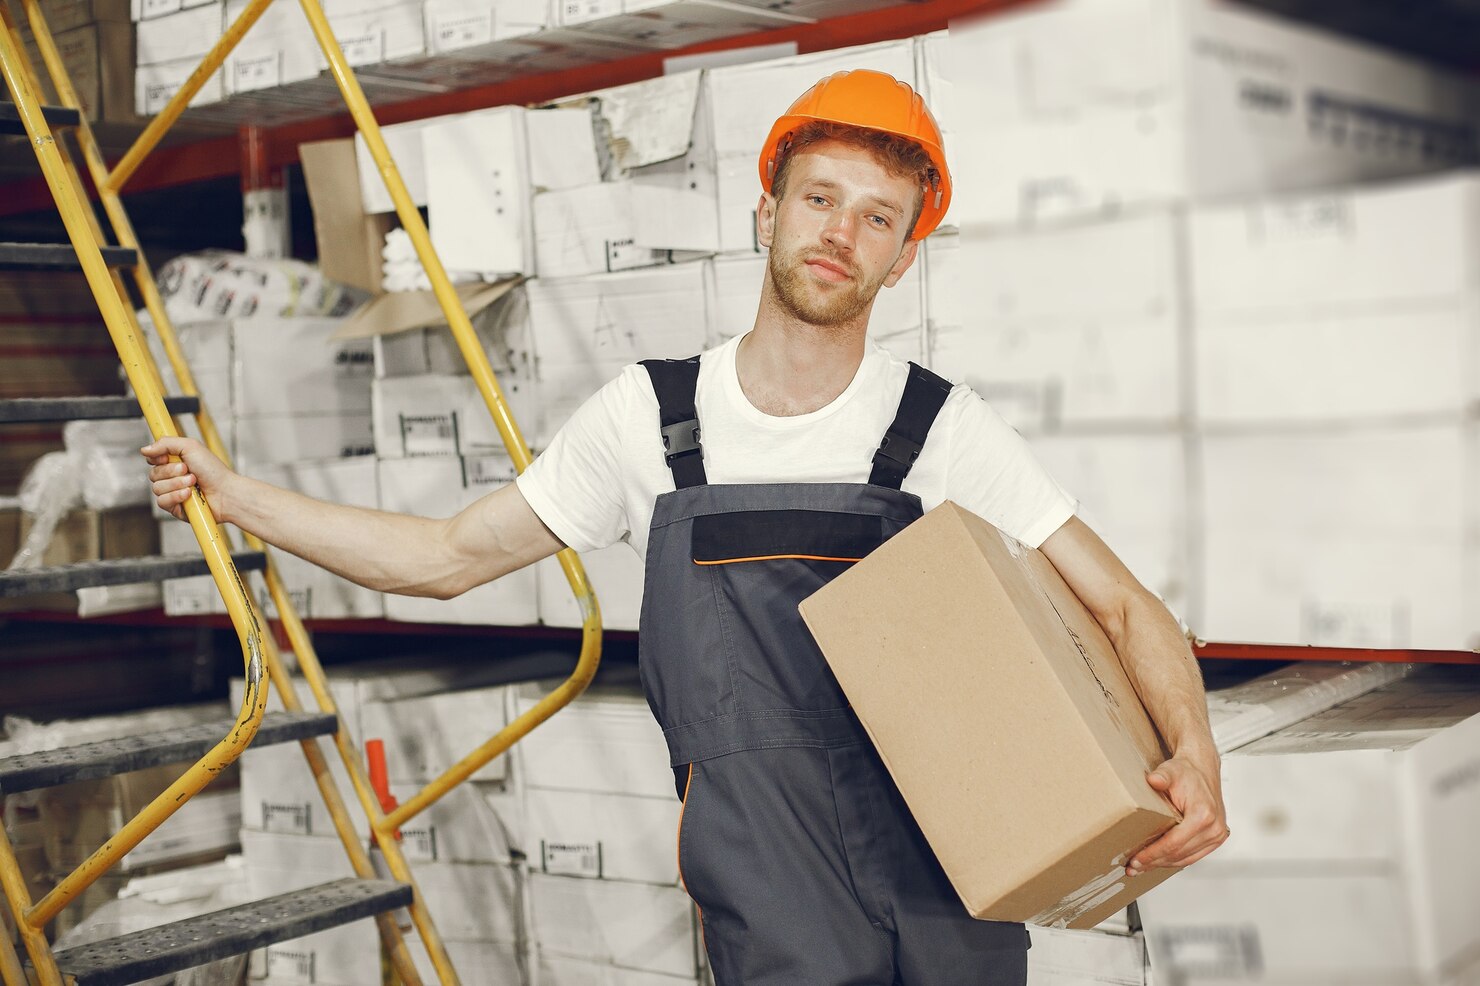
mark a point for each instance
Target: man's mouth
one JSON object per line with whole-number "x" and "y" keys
{"x": 828, "y": 270}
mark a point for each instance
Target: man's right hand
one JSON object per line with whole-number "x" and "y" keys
{"x": 179, "y": 465}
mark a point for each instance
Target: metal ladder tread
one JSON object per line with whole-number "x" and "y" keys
{"x": 58, "y": 256}
{"x": 116, "y": 571}
{"x": 56, "y": 116}
{"x": 108, "y": 758}
{"x": 28, "y": 409}
{"x": 233, "y": 931}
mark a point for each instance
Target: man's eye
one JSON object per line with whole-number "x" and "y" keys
{"x": 816, "y": 199}
{"x": 879, "y": 221}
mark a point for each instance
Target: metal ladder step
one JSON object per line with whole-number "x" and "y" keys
{"x": 32, "y": 409}
{"x": 234, "y": 931}
{"x": 58, "y": 256}
{"x": 117, "y": 571}
{"x": 56, "y": 116}
{"x": 108, "y": 758}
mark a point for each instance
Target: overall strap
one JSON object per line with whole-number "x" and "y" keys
{"x": 924, "y": 395}
{"x": 675, "y": 381}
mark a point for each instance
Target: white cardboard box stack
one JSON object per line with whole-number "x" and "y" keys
{"x": 465, "y": 848}
{"x": 170, "y": 38}
{"x": 1352, "y": 859}
{"x": 1077, "y": 337}
{"x": 601, "y": 823}
{"x": 1336, "y": 374}
{"x": 439, "y": 487}
{"x": 1082, "y": 107}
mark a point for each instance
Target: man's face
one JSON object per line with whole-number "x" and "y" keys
{"x": 839, "y": 233}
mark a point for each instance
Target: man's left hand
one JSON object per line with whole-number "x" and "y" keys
{"x": 1195, "y": 791}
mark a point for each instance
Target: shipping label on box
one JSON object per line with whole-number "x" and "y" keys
{"x": 1071, "y": 743}
{"x": 155, "y": 85}
{"x": 604, "y": 836}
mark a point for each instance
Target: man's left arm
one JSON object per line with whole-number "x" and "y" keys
{"x": 1160, "y": 664}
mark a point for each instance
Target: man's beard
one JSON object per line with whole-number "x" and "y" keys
{"x": 805, "y": 302}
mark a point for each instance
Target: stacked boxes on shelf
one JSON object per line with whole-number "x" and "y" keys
{"x": 1335, "y": 373}
{"x": 601, "y": 819}
{"x": 171, "y": 38}
{"x": 1112, "y": 328}
{"x": 301, "y": 422}
{"x": 465, "y": 848}
{"x": 1351, "y": 859}
{"x": 95, "y": 39}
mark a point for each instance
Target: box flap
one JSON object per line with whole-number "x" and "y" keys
{"x": 399, "y": 311}
{"x": 349, "y": 240}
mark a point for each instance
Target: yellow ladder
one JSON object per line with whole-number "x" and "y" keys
{"x": 238, "y": 930}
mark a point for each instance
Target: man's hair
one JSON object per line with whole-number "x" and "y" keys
{"x": 900, "y": 156}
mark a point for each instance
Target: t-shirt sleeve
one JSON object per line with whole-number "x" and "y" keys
{"x": 576, "y": 485}
{"x": 993, "y": 473}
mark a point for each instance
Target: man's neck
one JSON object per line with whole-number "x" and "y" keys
{"x": 788, "y": 367}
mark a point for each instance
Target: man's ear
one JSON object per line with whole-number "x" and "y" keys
{"x": 765, "y": 220}
{"x": 906, "y": 258}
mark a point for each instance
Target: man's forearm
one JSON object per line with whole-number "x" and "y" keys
{"x": 383, "y": 551}
{"x": 1160, "y": 664}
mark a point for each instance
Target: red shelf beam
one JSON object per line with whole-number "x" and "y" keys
{"x": 221, "y": 157}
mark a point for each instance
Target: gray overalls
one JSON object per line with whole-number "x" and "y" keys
{"x": 807, "y": 866}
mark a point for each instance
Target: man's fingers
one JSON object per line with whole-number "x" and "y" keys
{"x": 1183, "y": 845}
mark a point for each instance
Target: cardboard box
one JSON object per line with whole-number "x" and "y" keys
{"x": 181, "y": 35}
{"x": 1184, "y": 101}
{"x": 437, "y": 414}
{"x": 426, "y": 735}
{"x": 266, "y": 442}
{"x": 456, "y": 25}
{"x": 555, "y": 970}
{"x": 668, "y": 24}
{"x": 589, "y": 230}
{"x": 734, "y": 284}
{"x": 1133, "y": 491}
{"x": 443, "y": 487}
{"x": 65, "y": 15}
{"x": 1341, "y": 537}
{"x": 605, "y": 742}
{"x": 629, "y": 925}
{"x": 1311, "y": 308}
{"x": 1086, "y": 958}
{"x": 1035, "y": 681}
{"x": 292, "y": 366}
{"x": 1352, "y": 860}
{"x": 278, "y": 51}
{"x": 603, "y": 836}
{"x": 615, "y": 573}
{"x": 155, "y": 85}
{"x": 99, "y": 59}
{"x": 478, "y": 963}
{"x": 89, "y": 535}
{"x": 1077, "y": 325}
{"x": 586, "y": 329}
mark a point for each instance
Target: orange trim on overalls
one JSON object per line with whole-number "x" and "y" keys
{"x": 732, "y": 561}
{"x": 688, "y": 785}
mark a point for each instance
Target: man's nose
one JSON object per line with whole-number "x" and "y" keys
{"x": 839, "y": 230}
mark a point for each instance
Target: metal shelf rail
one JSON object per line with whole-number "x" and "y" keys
{"x": 237, "y": 930}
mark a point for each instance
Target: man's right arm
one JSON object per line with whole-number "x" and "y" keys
{"x": 413, "y": 556}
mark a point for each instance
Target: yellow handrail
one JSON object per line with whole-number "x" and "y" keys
{"x": 493, "y": 397}
{"x": 138, "y": 367}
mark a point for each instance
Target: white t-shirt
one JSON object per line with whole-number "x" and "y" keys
{"x": 597, "y": 482}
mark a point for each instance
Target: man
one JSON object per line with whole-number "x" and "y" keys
{"x": 748, "y": 478}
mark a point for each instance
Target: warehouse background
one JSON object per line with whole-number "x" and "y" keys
{"x": 1216, "y": 261}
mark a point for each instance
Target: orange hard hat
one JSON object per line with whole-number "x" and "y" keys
{"x": 874, "y": 101}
